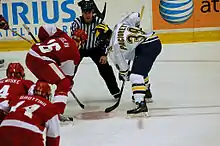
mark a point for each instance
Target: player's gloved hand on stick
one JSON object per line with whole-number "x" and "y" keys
{"x": 103, "y": 59}
{"x": 3, "y": 23}
{"x": 124, "y": 75}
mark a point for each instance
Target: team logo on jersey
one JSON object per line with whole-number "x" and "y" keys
{"x": 176, "y": 11}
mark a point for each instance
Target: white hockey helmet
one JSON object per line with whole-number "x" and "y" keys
{"x": 132, "y": 19}
{"x": 46, "y": 31}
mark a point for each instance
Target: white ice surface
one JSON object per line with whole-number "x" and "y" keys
{"x": 186, "y": 110}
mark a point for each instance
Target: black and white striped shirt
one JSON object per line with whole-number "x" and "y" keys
{"x": 78, "y": 23}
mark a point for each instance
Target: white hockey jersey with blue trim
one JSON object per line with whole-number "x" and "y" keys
{"x": 123, "y": 43}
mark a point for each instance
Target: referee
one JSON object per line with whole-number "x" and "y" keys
{"x": 87, "y": 22}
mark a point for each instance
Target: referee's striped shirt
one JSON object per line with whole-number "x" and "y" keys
{"x": 78, "y": 23}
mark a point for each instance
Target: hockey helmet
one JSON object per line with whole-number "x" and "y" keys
{"x": 132, "y": 19}
{"x": 15, "y": 70}
{"x": 46, "y": 31}
{"x": 42, "y": 89}
{"x": 86, "y": 6}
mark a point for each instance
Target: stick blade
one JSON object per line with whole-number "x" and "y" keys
{"x": 111, "y": 108}
{"x": 82, "y": 105}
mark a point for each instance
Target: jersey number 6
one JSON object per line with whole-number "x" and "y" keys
{"x": 50, "y": 47}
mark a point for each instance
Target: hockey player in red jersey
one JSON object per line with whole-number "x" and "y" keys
{"x": 28, "y": 117}
{"x": 14, "y": 84}
{"x": 54, "y": 59}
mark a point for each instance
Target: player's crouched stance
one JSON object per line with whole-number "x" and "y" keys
{"x": 27, "y": 118}
{"x": 129, "y": 42}
{"x": 54, "y": 59}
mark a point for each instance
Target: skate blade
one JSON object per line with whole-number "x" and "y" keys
{"x": 139, "y": 115}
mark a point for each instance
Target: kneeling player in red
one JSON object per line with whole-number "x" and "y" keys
{"x": 28, "y": 117}
{"x": 14, "y": 84}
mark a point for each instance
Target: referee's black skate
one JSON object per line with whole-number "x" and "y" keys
{"x": 141, "y": 108}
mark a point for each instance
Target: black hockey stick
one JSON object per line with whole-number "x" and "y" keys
{"x": 74, "y": 96}
{"x": 111, "y": 108}
{"x": 77, "y": 100}
{"x": 29, "y": 32}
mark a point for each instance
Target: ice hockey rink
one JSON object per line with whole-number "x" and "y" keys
{"x": 186, "y": 110}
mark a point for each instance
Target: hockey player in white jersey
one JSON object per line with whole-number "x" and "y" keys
{"x": 129, "y": 42}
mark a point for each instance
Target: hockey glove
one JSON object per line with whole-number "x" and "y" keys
{"x": 3, "y": 23}
{"x": 80, "y": 36}
{"x": 124, "y": 75}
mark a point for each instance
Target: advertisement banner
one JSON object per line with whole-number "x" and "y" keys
{"x": 179, "y": 14}
{"x": 34, "y": 13}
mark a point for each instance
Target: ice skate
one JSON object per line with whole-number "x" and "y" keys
{"x": 140, "y": 111}
{"x": 65, "y": 118}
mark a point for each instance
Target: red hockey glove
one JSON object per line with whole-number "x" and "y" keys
{"x": 80, "y": 36}
{"x": 3, "y": 23}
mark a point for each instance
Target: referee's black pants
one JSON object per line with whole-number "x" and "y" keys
{"x": 105, "y": 70}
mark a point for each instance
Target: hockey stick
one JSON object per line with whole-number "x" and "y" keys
{"x": 29, "y": 32}
{"x": 20, "y": 36}
{"x": 77, "y": 100}
{"x": 15, "y": 32}
{"x": 142, "y": 12}
{"x": 74, "y": 96}
{"x": 111, "y": 108}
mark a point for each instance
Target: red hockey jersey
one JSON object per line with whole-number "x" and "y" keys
{"x": 33, "y": 114}
{"x": 59, "y": 48}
